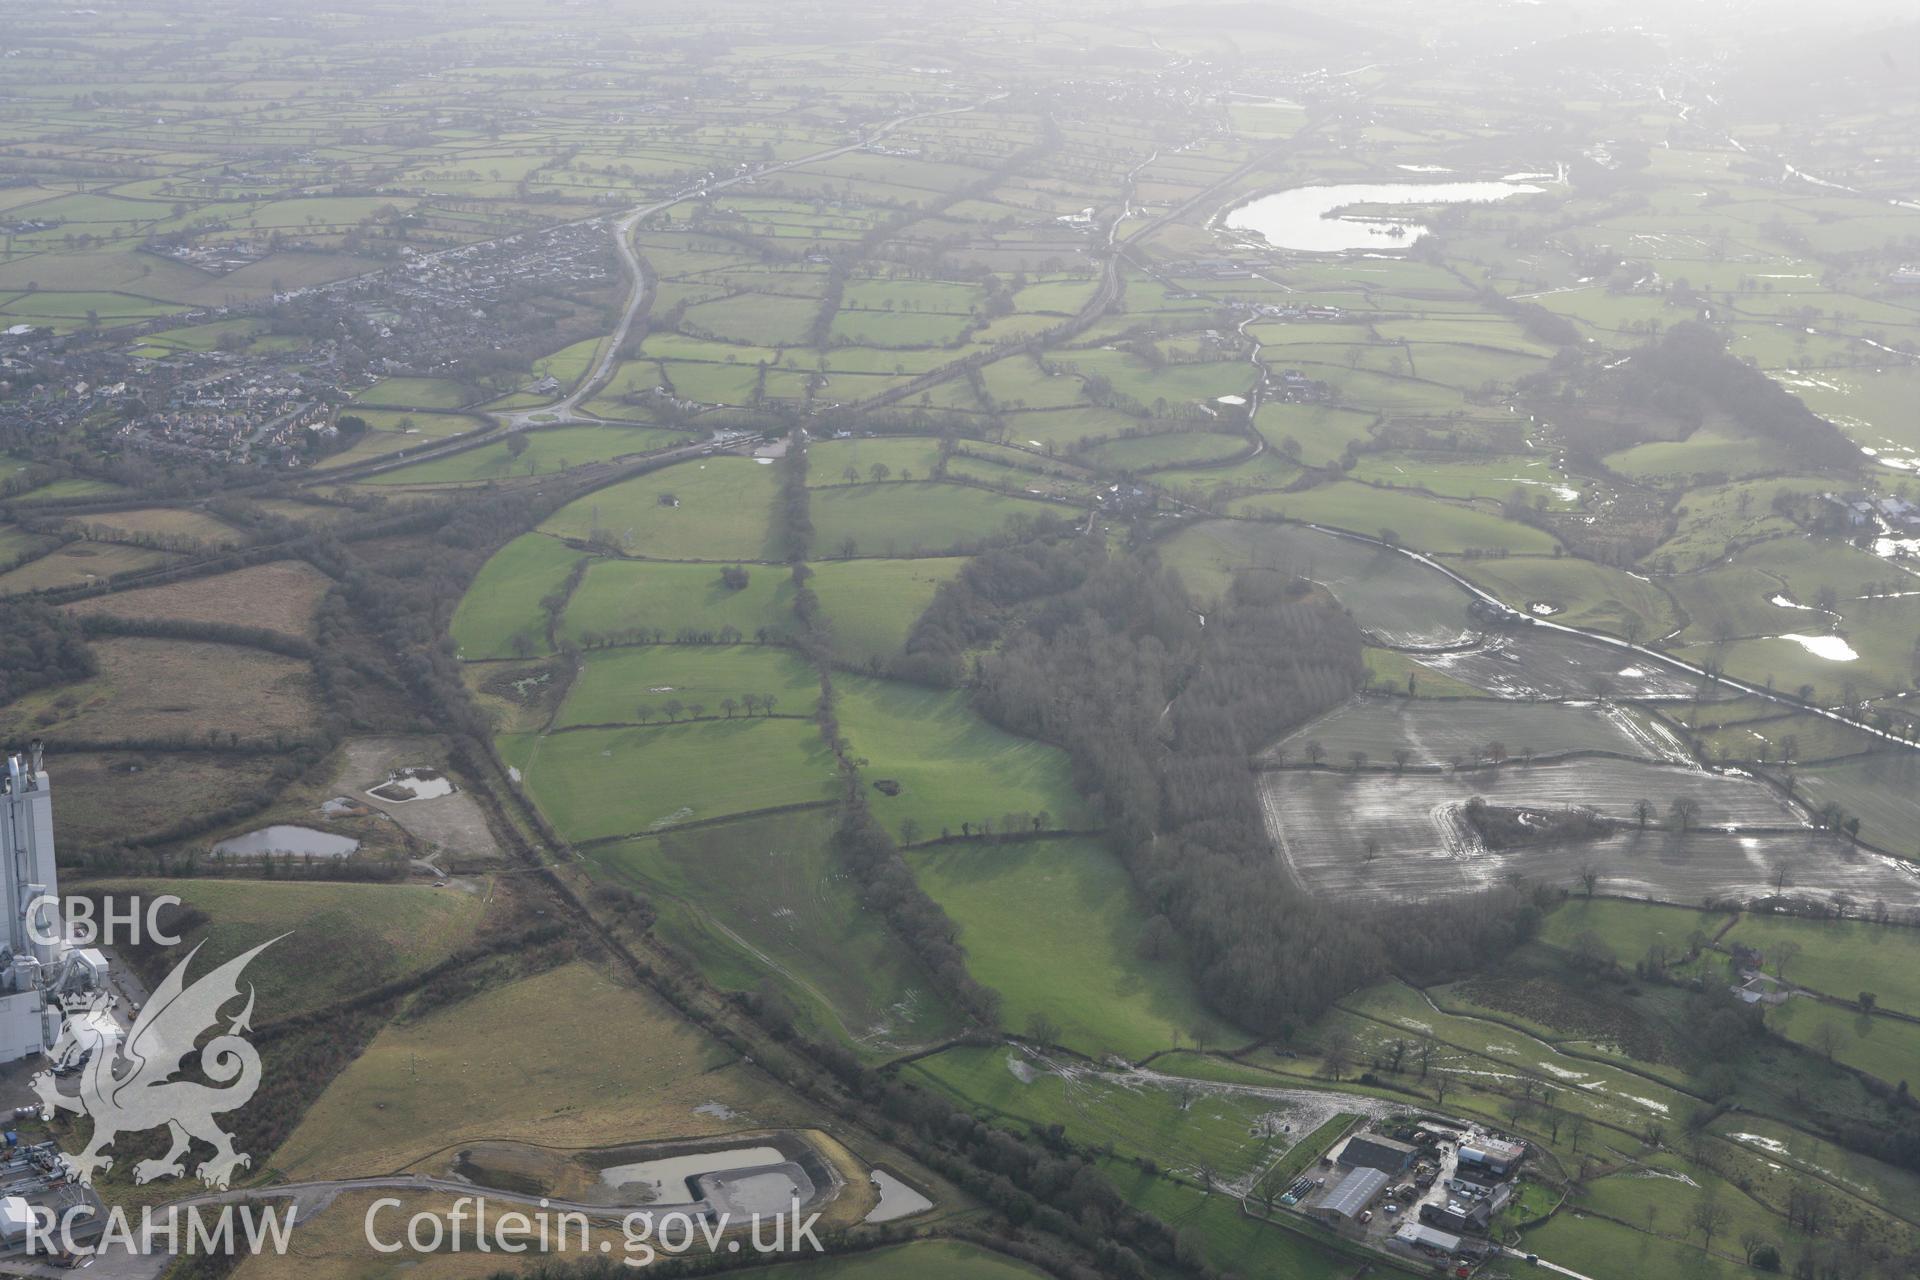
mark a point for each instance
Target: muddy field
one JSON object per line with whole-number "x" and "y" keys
{"x": 1444, "y": 733}
{"x": 1547, "y": 664}
{"x": 1322, "y": 823}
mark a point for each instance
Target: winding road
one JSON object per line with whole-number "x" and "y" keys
{"x": 565, "y": 409}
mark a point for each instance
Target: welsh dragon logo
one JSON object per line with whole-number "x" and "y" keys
{"x": 127, "y": 1085}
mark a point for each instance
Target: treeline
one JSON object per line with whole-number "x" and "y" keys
{"x": 39, "y": 647}
{"x": 1689, "y": 374}
{"x": 969, "y": 610}
{"x": 888, "y": 887}
{"x": 793, "y": 521}
{"x": 1161, "y": 716}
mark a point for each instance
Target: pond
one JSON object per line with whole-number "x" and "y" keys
{"x": 897, "y": 1199}
{"x": 1304, "y": 218}
{"x": 287, "y": 839}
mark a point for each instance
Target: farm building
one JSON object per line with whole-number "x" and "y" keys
{"x": 1424, "y": 1242}
{"x": 1370, "y": 1151}
{"x": 1350, "y": 1197}
{"x": 1492, "y": 1155}
{"x": 1456, "y": 1218}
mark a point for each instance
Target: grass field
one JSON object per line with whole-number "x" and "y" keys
{"x": 339, "y": 939}
{"x": 829, "y": 461}
{"x": 1580, "y": 593}
{"x": 1399, "y": 601}
{"x": 952, "y": 766}
{"x": 1227, "y": 1239}
{"x": 1841, "y": 957}
{"x": 416, "y": 393}
{"x": 913, "y": 519}
{"x": 1425, "y": 524}
{"x": 766, "y": 899}
{"x": 871, "y": 605}
{"x": 1442, "y": 733}
{"x": 1237, "y": 1134}
{"x": 711, "y": 509}
{"x": 501, "y": 611}
{"x": 1888, "y": 1048}
{"x": 596, "y": 783}
{"x": 617, "y": 596}
{"x": 1630, "y": 927}
{"x": 612, "y": 685}
{"x": 1055, "y": 928}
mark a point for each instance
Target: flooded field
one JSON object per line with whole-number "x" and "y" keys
{"x": 1391, "y": 837}
{"x": 1531, "y": 663}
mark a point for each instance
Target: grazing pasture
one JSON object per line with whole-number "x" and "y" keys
{"x": 718, "y": 508}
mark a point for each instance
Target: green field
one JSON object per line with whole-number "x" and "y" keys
{"x": 914, "y": 519}
{"x": 870, "y": 606}
{"x": 1182, "y": 1130}
{"x": 596, "y": 783}
{"x": 1630, "y": 928}
{"x": 1580, "y": 593}
{"x": 767, "y": 899}
{"x": 1425, "y": 524}
{"x": 1055, "y": 928}
{"x": 711, "y": 509}
{"x": 618, "y": 596}
{"x": 613, "y": 685}
{"x": 500, "y": 616}
{"x": 829, "y": 461}
{"x": 952, "y": 767}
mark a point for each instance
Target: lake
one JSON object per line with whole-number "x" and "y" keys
{"x": 1297, "y": 218}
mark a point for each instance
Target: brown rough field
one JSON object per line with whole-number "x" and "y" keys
{"x": 103, "y": 797}
{"x": 163, "y": 688}
{"x": 566, "y": 1058}
{"x": 78, "y": 564}
{"x": 282, "y": 596}
{"x": 166, "y": 523}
